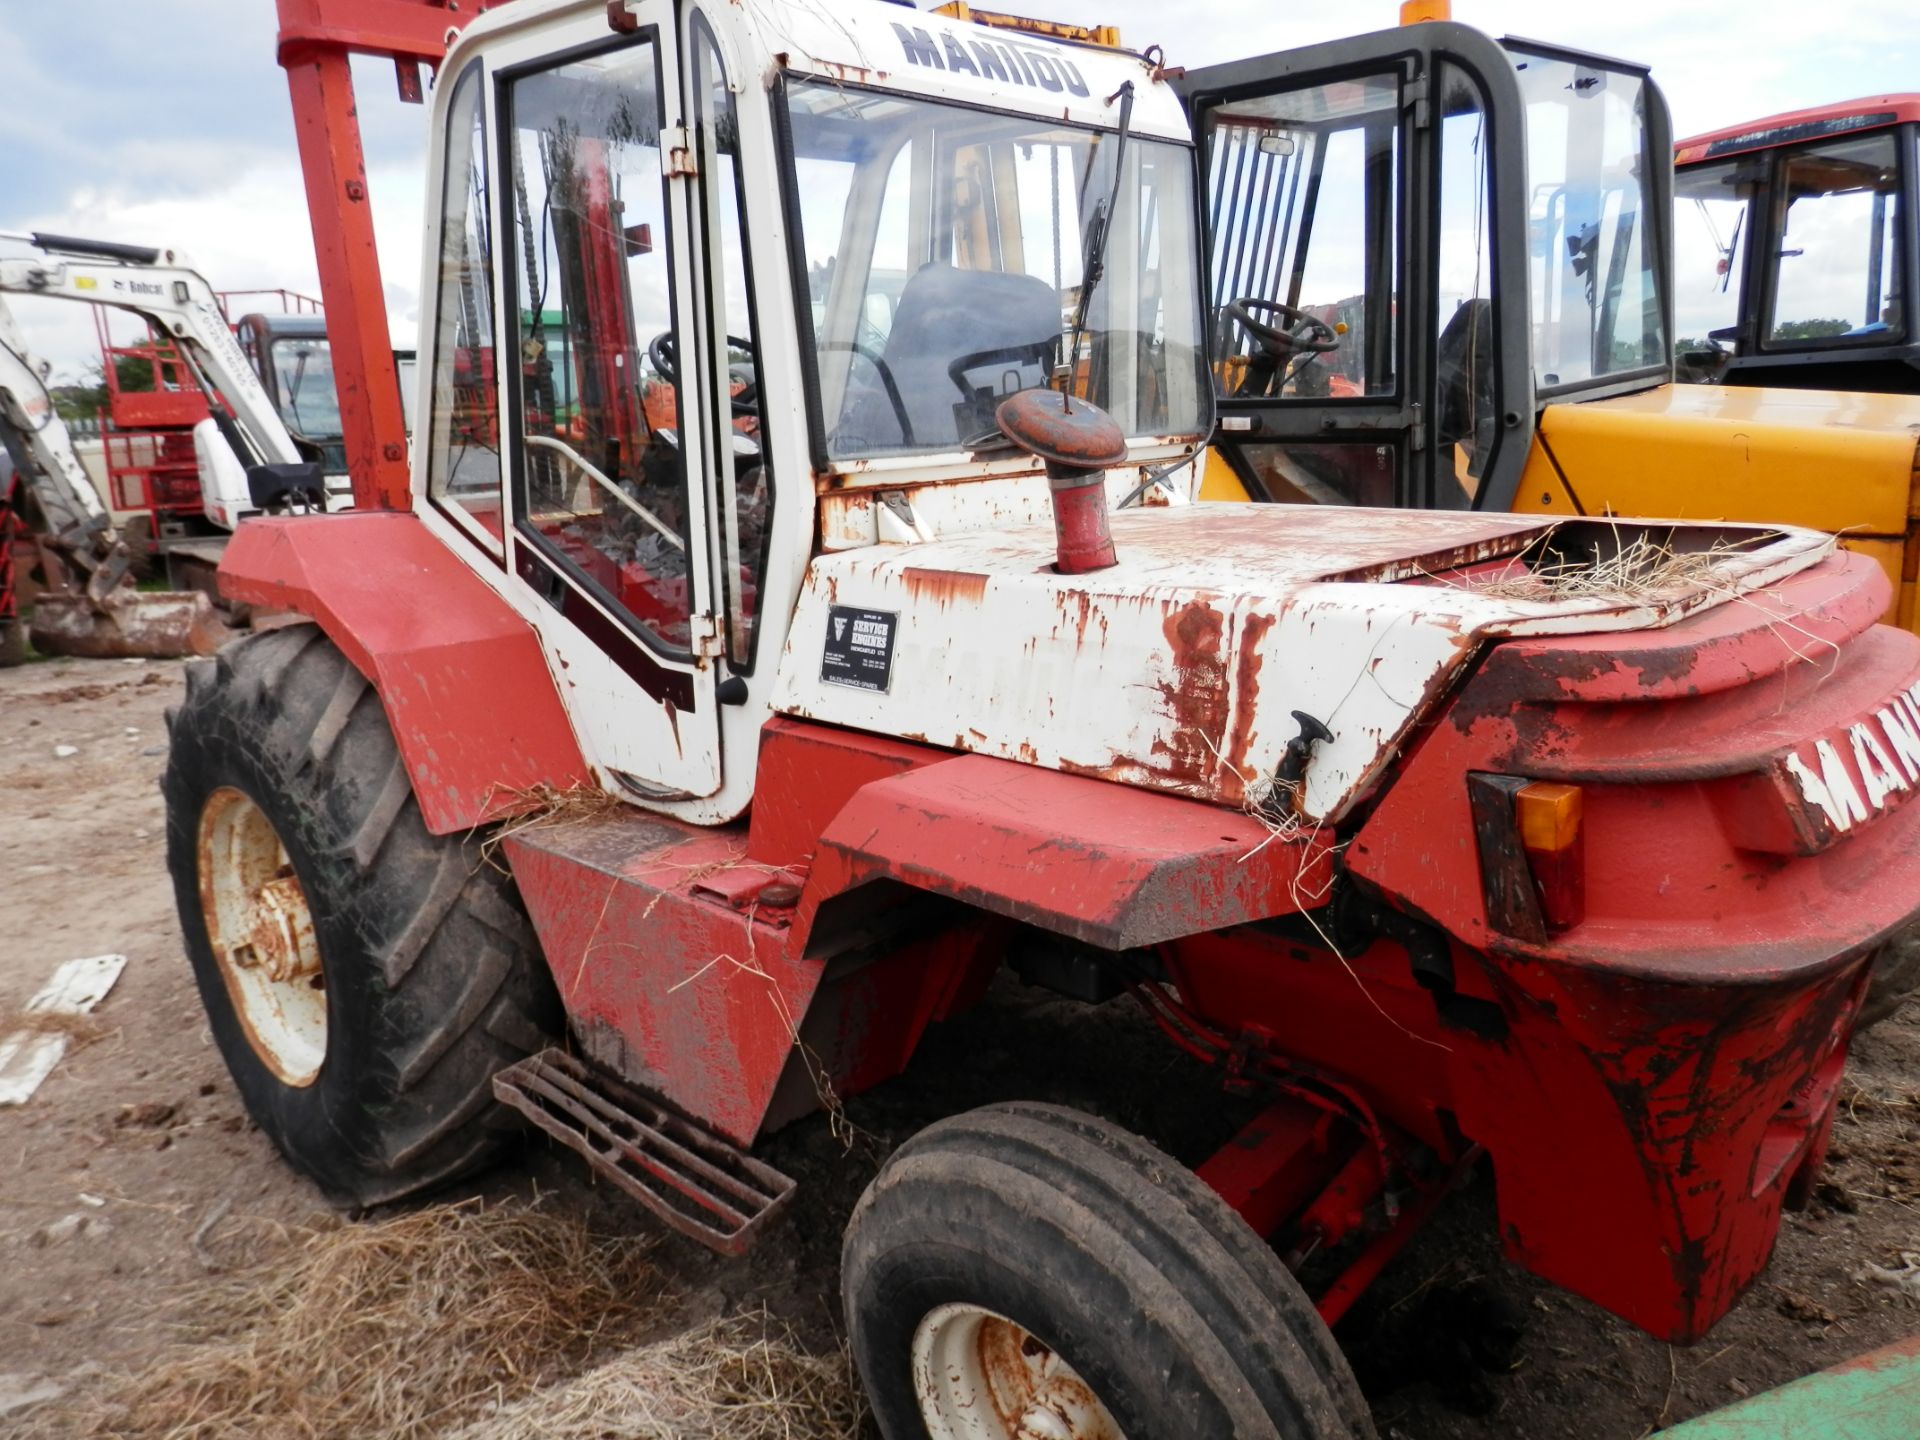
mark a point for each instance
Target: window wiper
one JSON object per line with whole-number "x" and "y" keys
{"x": 1733, "y": 244}
{"x": 1094, "y": 262}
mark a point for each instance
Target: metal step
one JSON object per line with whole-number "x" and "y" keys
{"x": 701, "y": 1185}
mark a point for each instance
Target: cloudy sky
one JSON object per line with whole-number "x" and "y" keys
{"x": 167, "y": 121}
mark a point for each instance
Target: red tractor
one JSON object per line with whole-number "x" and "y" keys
{"x": 1564, "y": 847}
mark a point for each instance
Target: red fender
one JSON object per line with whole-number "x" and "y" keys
{"x": 466, "y": 688}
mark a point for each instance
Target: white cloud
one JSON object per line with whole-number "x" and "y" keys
{"x": 251, "y": 232}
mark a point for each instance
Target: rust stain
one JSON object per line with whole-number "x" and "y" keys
{"x": 1196, "y": 698}
{"x": 1246, "y": 687}
{"x": 1077, "y": 605}
{"x": 943, "y": 587}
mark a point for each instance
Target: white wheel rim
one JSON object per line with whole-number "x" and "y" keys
{"x": 262, "y": 937}
{"x": 979, "y": 1376}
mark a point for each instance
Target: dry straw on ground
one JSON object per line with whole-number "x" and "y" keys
{"x": 730, "y": 1379}
{"x": 467, "y": 1321}
{"x": 80, "y": 1029}
{"x": 401, "y": 1328}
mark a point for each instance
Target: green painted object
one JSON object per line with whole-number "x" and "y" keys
{"x": 1873, "y": 1397}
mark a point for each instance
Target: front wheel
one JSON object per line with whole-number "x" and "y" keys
{"x": 1026, "y": 1272}
{"x": 363, "y": 978}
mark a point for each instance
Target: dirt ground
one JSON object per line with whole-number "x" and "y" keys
{"x": 134, "y": 1174}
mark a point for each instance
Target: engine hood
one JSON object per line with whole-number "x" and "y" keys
{"x": 1741, "y": 453}
{"x": 1179, "y": 668}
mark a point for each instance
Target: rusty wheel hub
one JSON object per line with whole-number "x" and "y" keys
{"x": 262, "y": 936}
{"x": 980, "y": 1376}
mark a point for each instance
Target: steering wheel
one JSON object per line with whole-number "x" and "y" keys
{"x": 664, "y": 352}
{"x": 1037, "y": 353}
{"x": 1303, "y": 333}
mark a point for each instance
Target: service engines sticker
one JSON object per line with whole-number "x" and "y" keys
{"x": 859, "y": 648}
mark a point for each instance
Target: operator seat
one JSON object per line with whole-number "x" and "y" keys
{"x": 946, "y": 313}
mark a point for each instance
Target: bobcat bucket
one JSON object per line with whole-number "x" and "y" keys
{"x": 128, "y": 623}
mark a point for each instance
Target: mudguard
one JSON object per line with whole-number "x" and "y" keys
{"x": 472, "y": 704}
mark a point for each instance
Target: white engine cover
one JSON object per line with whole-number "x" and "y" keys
{"x": 1177, "y": 668}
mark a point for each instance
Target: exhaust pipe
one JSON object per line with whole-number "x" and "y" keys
{"x": 1079, "y": 442}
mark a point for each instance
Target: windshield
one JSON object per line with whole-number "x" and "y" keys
{"x": 1837, "y": 281}
{"x": 943, "y": 251}
{"x": 1712, "y": 221}
{"x": 1596, "y": 298}
{"x": 303, "y": 377}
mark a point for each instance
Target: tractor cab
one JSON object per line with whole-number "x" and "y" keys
{"x": 1416, "y": 240}
{"x": 717, "y": 293}
{"x": 1441, "y": 275}
{"x": 1795, "y": 249}
{"x": 294, "y": 361}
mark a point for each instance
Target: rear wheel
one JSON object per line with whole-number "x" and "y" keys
{"x": 1891, "y": 982}
{"x": 1025, "y": 1272}
{"x": 363, "y": 978}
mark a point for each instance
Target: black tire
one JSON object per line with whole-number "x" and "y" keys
{"x": 1109, "y": 1253}
{"x": 433, "y": 978}
{"x": 1891, "y": 983}
{"x": 13, "y": 642}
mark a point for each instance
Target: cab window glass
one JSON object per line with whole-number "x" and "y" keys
{"x": 1596, "y": 300}
{"x": 1712, "y": 216}
{"x": 463, "y": 446}
{"x": 943, "y": 247}
{"x": 1339, "y": 473}
{"x": 1302, "y": 193}
{"x": 603, "y": 481}
{"x": 1839, "y": 267}
{"x": 743, "y": 479}
{"x": 1464, "y": 425}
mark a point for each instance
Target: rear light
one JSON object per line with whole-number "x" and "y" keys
{"x": 1532, "y": 858}
{"x": 1549, "y": 816}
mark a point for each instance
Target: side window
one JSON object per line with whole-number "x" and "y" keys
{"x": 1302, "y": 191}
{"x": 602, "y": 484}
{"x": 1464, "y": 378}
{"x": 463, "y": 448}
{"x": 1596, "y": 299}
{"x": 743, "y": 479}
{"x": 1839, "y": 244}
{"x": 1712, "y": 205}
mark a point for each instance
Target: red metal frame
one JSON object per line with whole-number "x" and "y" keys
{"x": 146, "y": 434}
{"x": 317, "y": 37}
{"x": 292, "y": 302}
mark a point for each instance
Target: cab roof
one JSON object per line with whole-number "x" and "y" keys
{"x": 1818, "y": 123}
{"x": 897, "y": 48}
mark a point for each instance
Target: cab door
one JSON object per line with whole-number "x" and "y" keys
{"x": 1367, "y": 318}
{"x": 609, "y": 521}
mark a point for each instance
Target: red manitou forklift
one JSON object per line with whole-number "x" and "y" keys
{"x": 844, "y": 689}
